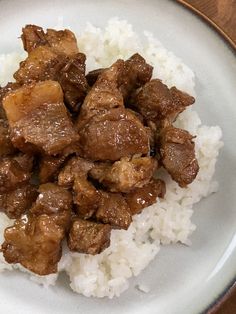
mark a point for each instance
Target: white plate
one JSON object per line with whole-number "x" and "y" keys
{"x": 182, "y": 280}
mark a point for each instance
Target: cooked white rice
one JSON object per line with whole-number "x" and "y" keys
{"x": 167, "y": 221}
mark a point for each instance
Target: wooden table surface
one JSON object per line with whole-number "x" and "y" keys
{"x": 222, "y": 15}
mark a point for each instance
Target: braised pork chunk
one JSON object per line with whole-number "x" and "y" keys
{"x": 35, "y": 243}
{"x": 114, "y": 210}
{"x": 125, "y": 175}
{"x": 62, "y": 42}
{"x": 17, "y": 202}
{"x": 86, "y": 197}
{"x": 54, "y": 201}
{"x": 115, "y": 134}
{"x": 155, "y": 101}
{"x": 136, "y": 73}
{"x": 12, "y": 174}
{"x": 178, "y": 155}
{"x": 73, "y": 82}
{"x": 88, "y": 237}
{"x": 32, "y": 37}
{"x": 108, "y": 131}
{"x": 145, "y": 196}
{"x": 38, "y": 118}
{"x": 104, "y": 95}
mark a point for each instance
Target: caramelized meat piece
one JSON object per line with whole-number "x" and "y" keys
{"x": 62, "y": 42}
{"x": 136, "y": 73}
{"x": 49, "y": 168}
{"x": 104, "y": 95}
{"x": 54, "y": 201}
{"x": 115, "y": 134}
{"x": 6, "y": 147}
{"x": 75, "y": 167}
{"x": 26, "y": 99}
{"x": 35, "y": 243}
{"x": 92, "y": 76}
{"x": 178, "y": 156}
{"x": 86, "y": 197}
{"x": 17, "y": 202}
{"x": 32, "y": 37}
{"x": 38, "y": 118}
{"x": 181, "y": 99}
{"x": 88, "y": 237}
{"x": 12, "y": 175}
{"x": 145, "y": 196}
{"x": 73, "y": 81}
{"x": 48, "y": 129}
{"x": 125, "y": 175}
{"x": 41, "y": 64}
{"x": 155, "y": 101}
{"x": 114, "y": 210}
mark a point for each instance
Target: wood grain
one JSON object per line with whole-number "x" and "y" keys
{"x": 227, "y": 304}
{"x": 221, "y": 14}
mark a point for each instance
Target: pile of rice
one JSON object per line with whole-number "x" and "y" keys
{"x": 167, "y": 221}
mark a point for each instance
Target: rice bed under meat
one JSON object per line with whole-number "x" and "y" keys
{"x": 167, "y": 221}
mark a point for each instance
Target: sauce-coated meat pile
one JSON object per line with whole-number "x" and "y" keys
{"x": 80, "y": 153}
